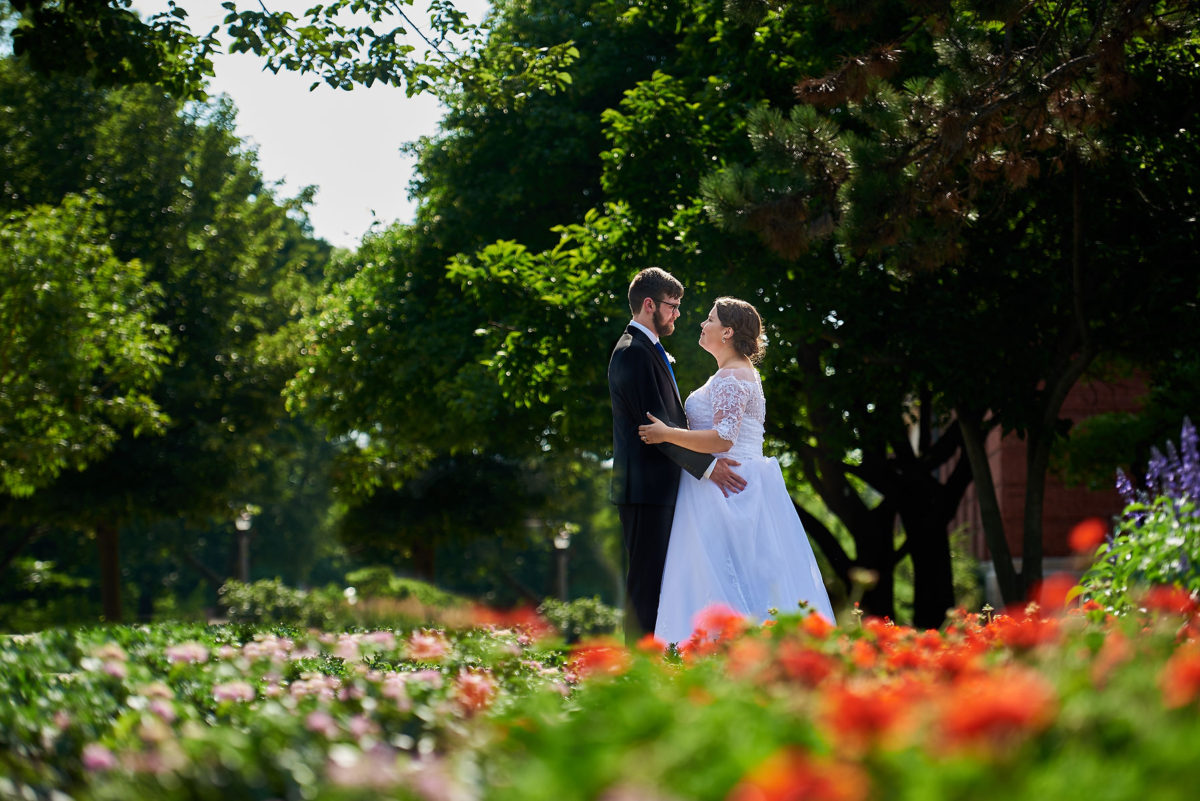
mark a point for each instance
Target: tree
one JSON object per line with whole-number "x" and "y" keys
{"x": 343, "y": 42}
{"x": 181, "y": 199}
{"x": 80, "y": 353}
{"x": 555, "y": 313}
{"x": 979, "y": 180}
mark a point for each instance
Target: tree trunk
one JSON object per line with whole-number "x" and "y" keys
{"x": 108, "y": 541}
{"x": 424, "y": 560}
{"x": 1011, "y": 589}
{"x": 1037, "y": 463}
{"x": 933, "y": 574}
{"x": 876, "y": 549}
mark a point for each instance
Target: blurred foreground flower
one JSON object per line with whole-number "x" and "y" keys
{"x": 793, "y": 775}
{"x": 186, "y": 653}
{"x": 427, "y": 646}
{"x": 1087, "y": 534}
{"x": 474, "y": 690}
{"x": 97, "y": 757}
{"x": 1180, "y": 679}
{"x": 998, "y": 708}
{"x": 599, "y": 656}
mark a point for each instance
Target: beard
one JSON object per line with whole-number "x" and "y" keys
{"x": 664, "y": 325}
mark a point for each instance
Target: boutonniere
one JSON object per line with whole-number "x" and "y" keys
{"x": 670, "y": 358}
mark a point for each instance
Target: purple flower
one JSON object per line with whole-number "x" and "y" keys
{"x": 1174, "y": 474}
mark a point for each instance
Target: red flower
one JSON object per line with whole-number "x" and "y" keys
{"x": 1180, "y": 678}
{"x": 746, "y": 656}
{"x": 650, "y": 644}
{"x": 524, "y": 618}
{"x": 718, "y": 622}
{"x": 1115, "y": 651}
{"x": 905, "y": 656}
{"x": 885, "y": 631}
{"x": 1087, "y": 534}
{"x": 816, "y": 625}
{"x": 792, "y": 775}
{"x": 863, "y": 715}
{"x": 992, "y": 709}
{"x": 1024, "y": 633}
{"x": 602, "y": 655}
{"x": 803, "y": 664}
{"x": 863, "y": 655}
{"x": 961, "y": 658}
{"x": 1170, "y": 599}
{"x": 1055, "y": 592}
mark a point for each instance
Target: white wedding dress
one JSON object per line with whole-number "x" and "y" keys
{"x": 749, "y": 551}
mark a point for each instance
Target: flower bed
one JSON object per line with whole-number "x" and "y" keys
{"x": 1027, "y": 705}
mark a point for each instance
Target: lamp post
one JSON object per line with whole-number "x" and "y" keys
{"x": 562, "y": 541}
{"x": 243, "y": 523}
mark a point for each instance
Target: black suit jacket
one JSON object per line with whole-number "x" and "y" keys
{"x": 639, "y": 382}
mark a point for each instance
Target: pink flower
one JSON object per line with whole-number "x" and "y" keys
{"x": 474, "y": 690}
{"x": 156, "y": 690}
{"x": 431, "y": 677}
{"x": 97, "y": 757}
{"x": 321, "y": 722}
{"x": 346, "y": 649}
{"x": 186, "y": 653}
{"x": 394, "y": 686}
{"x": 233, "y": 691}
{"x": 110, "y": 651}
{"x": 382, "y": 638}
{"x": 427, "y": 646}
{"x": 377, "y": 768}
{"x": 360, "y": 726}
{"x": 115, "y": 668}
{"x": 164, "y": 709}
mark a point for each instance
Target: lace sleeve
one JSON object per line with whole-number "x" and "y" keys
{"x": 730, "y": 397}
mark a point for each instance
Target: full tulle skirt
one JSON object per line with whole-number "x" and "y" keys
{"x": 748, "y": 552}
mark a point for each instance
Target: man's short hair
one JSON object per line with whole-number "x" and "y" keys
{"x": 653, "y": 282}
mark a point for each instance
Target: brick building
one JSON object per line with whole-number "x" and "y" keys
{"x": 1064, "y": 506}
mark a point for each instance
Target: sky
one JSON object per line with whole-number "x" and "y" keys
{"x": 345, "y": 143}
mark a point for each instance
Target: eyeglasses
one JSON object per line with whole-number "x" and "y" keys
{"x": 674, "y": 306}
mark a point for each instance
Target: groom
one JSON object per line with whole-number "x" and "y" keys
{"x": 646, "y": 477}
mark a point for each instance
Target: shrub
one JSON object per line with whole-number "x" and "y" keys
{"x": 270, "y": 601}
{"x": 1157, "y": 538}
{"x": 581, "y": 617}
{"x": 379, "y": 582}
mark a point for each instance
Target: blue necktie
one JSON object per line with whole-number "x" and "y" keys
{"x": 670, "y": 370}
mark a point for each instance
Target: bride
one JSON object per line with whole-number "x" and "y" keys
{"x": 747, "y": 551}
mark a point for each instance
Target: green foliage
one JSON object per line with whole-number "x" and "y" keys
{"x": 343, "y": 43}
{"x": 270, "y": 601}
{"x": 218, "y": 264}
{"x": 1155, "y": 543}
{"x": 581, "y": 617}
{"x": 80, "y": 354}
{"x": 380, "y": 582}
{"x": 113, "y": 45}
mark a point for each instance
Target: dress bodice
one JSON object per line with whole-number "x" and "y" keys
{"x": 732, "y": 402}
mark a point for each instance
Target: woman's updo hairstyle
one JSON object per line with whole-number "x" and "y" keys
{"x": 746, "y": 324}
